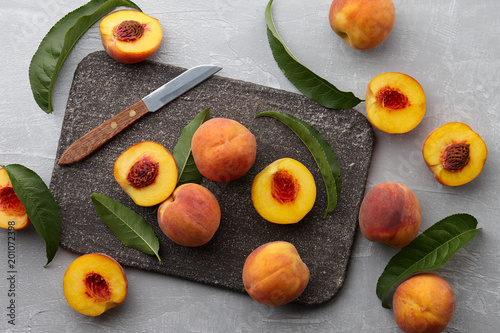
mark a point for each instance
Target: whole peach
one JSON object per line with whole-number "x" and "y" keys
{"x": 423, "y": 303}
{"x": 390, "y": 213}
{"x": 190, "y": 216}
{"x": 223, "y": 149}
{"x": 362, "y": 24}
{"x": 274, "y": 274}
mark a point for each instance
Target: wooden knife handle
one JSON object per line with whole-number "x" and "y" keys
{"x": 103, "y": 133}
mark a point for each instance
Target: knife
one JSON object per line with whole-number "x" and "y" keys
{"x": 103, "y": 133}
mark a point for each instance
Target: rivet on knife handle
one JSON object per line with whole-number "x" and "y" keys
{"x": 103, "y": 133}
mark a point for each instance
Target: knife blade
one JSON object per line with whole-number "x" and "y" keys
{"x": 106, "y": 131}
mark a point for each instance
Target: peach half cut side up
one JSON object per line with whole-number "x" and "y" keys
{"x": 395, "y": 102}
{"x": 454, "y": 153}
{"x": 284, "y": 192}
{"x": 12, "y": 211}
{"x": 130, "y": 36}
{"x": 147, "y": 172}
{"x": 94, "y": 283}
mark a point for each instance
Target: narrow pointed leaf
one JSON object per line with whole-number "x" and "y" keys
{"x": 188, "y": 172}
{"x": 129, "y": 227}
{"x": 307, "y": 82}
{"x": 40, "y": 205}
{"x": 430, "y": 250}
{"x": 321, "y": 151}
{"x": 58, "y": 42}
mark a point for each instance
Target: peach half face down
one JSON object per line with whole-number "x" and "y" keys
{"x": 454, "y": 153}
{"x": 362, "y": 24}
{"x": 147, "y": 172}
{"x": 423, "y": 303}
{"x": 12, "y": 212}
{"x": 94, "y": 283}
{"x": 395, "y": 103}
{"x": 274, "y": 274}
{"x": 130, "y": 36}
{"x": 284, "y": 192}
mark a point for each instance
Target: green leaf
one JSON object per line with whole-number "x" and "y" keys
{"x": 321, "y": 151}
{"x": 56, "y": 45}
{"x": 188, "y": 172}
{"x": 129, "y": 227}
{"x": 40, "y": 205}
{"x": 430, "y": 250}
{"x": 310, "y": 84}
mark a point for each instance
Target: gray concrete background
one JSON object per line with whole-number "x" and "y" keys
{"x": 450, "y": 47}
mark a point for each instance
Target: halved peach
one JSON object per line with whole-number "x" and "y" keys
{"x": 12, "y": 211}
{"x": 395, "y": 102}
{"x": 130, "y": 36}
{"x": 284, "y": 192}
{"x": 147, "y": 172}
{"x": 94, "y": 283}
{"x": 454, "y": 153}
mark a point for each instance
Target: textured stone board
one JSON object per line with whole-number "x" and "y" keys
{"x": 102, "y": 87}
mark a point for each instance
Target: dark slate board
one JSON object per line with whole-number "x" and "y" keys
{"x": 102, "y": 87}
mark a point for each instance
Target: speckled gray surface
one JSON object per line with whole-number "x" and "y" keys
{"x": 103, "y": 87}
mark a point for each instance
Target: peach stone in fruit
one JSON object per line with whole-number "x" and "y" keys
{"x": 395, "y": 102}
{"x": 223, "y": 149}
{"x": 274, "y": 274}
{"x": 423, "y": 303}
{"x": 12, "y": 211}
{"x": 130, "y": 36}
{"x": 362, "y": 24}
{"x": 94, "y": 283}
{"x": 390, "y": 213}
{"x": 284, "y": 192}
{"x": 147, "y": 172}
{"x": 190, "y": 216}
{"x": 454, "y": 153}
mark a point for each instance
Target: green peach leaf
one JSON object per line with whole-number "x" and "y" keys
{"x": 40, "y": 205}
{"x": 430, "y": 250}
{"x": 129, "y": 227}
{"x": 58, "y": 42}
{"x": 320, "y": 149}
{"x": 188, "y": 172}
{"x": 307, "y": 82}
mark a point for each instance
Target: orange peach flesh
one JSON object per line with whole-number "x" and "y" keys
{"x": 274, "y": 274}
{"x": 395, "y": 102}
{"x": 147, "y": 172}
{"x": 94, "y": 283}
{"x": 284, "y": 192}
{"x": 12, "y": 211}
{"x": 424, "y": 303}
{"x": 464, "y": 141}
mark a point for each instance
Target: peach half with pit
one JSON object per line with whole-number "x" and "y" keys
{"x": 147, "y": 172}
{"x": 190, "y": 216}
{"x": 223, "y": 149}
{"x": 274, "y": 274}
{"x": 454, "y": 153}
{"x": 12, "y": 212}
{"x": 130, "y": 36}
{"x": 390, "y": 213}
{"x": 423, "y": 303}
{"x": 395, "y": 102}
{"x": 94, "y": 283}
{"x": 284, "y": 191}
{"x": 362, "y": 24}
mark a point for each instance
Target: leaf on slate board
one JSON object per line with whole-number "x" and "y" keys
{"x": 129, "y": 227}
{"x": 307, "y": 82}
{"x": 321, "y": 151}
{"x": 430, "y": 250}
{"x": 188, "y": 172}
{"x": 58, "y": 42}
{"x": 40, "y": 205}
